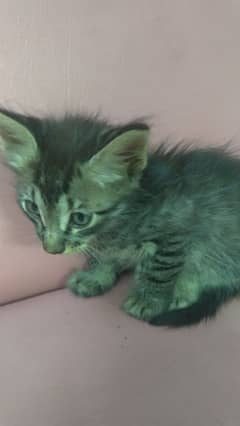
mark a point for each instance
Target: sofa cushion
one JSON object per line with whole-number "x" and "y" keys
{"x": 68, "y": 361}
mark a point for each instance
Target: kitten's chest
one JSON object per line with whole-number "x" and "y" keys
{"x": 125, "y": 258}
{"x": 128, "y": 257}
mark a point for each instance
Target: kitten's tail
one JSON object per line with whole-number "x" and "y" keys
{"x": 205, "y": 308}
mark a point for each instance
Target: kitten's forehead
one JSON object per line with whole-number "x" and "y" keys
{"x": 53, "y": 182}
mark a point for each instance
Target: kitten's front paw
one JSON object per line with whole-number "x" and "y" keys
{"x": 141, "y": 308}
{"x": 89, "y": 283}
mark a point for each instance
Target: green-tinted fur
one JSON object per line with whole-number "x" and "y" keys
{"x": 171, "y": 216}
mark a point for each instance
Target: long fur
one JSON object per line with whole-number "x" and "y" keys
{"x": 177, "y": 225}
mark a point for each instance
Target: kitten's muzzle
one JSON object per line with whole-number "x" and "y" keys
{"x": 53, "y": 244}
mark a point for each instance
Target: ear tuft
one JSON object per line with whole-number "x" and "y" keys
{"x": 124, "y": 157}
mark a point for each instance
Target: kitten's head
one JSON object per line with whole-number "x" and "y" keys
{"x": 71, "y": 173}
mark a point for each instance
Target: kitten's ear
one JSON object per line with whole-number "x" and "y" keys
{"x": 17, "y": 143}
{"x": 125, "y": 156}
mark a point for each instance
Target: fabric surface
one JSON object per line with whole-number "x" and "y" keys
{"x": 65, "y": 361}
{"x": 68, "y": 361}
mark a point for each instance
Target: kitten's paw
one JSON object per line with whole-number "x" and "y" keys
{"x": 139, "y": 307}
{"x": 90, "y": 284}
{"x": 81, "y": 285}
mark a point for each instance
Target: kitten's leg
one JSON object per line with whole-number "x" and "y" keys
{"x": 98, "y": 279}
{"x": 155, "y": 280}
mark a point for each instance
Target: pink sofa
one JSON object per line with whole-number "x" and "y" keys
{"x": 67, "y": 361}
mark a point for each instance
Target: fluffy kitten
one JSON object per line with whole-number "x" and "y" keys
{"x": 172, "y": 216}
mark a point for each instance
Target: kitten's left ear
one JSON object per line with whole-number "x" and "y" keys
{"x": 17, "y": 143}
{"x": 125, "y": 156}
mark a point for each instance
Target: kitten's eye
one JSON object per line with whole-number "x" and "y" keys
{"x": 31, "y": 208}
{"x": 80, "y": 219}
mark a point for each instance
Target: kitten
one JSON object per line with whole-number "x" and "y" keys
{"x": 171, "y": 216}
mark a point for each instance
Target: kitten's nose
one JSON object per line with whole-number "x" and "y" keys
{"x": 53, "y": 244}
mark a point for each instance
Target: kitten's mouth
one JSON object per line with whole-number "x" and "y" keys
{"x": 54, "y": 250}
{"x": 72, "y": 249}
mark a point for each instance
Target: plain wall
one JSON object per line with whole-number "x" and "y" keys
{"x": 177, "y": 62}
